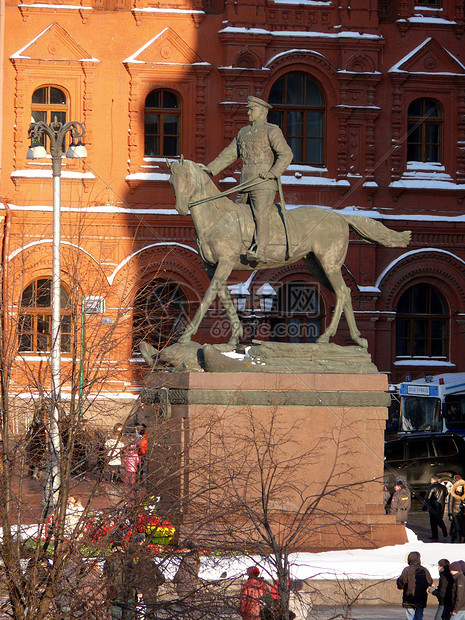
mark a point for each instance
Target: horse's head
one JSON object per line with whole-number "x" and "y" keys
{"x": 184, "y": 180}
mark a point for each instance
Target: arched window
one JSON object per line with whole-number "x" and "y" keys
{"x": 161, "y": 311}
{"x": 35, "y": 318}
{"x": 421, "y": 323}
{"x": 298, "y": 108}
{"x": 48, "y": 103}
{"x": 424, "y": 131}
{"x": 162, "y": 124}
{"x": 296, "y": 315}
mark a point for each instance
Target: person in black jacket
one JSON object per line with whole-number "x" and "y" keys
{"x": 458, "y": 591}
{"x": 443, "y": 592}
{"x": 435, "y": 500}
{"x": 414, "y": 581}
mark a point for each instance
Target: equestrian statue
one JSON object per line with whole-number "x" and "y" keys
{"x": 254, "y": 233}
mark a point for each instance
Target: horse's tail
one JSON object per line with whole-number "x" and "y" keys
{"x": 376, "y": 232}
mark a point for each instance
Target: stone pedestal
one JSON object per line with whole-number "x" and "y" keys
{"x": 325, "y": 432}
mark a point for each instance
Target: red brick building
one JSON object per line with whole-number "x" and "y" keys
{"x": 369, "y": 93}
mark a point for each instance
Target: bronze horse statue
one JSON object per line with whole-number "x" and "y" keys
{"x": 225, "y": 230}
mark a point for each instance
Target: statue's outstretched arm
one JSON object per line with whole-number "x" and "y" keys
{"x": 204, "y": 168}
{"x": 227, "y": 157}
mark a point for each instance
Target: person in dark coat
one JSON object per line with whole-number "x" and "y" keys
{"x": 434, "y": 503}
{"x": 148, "y": 578}
{"x": 458, "y": 591}
{"x": 118, "y": 572}
{"x": 414, "y": 582}
{"x": 187, "y": 583}
{"x": 443, "y": 592}
{"x": 400, "y": 502}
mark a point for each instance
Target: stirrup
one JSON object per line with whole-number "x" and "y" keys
{"x": 252, "y": 256}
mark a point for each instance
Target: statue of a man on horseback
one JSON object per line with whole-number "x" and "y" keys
{"x": 225, "y": 230}
{"x": 265, "y": 155}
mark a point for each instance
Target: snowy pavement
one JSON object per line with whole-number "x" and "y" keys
{"x": 370, "y": 564}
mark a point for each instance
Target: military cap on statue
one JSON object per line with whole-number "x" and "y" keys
{"x": 258, "y": 101}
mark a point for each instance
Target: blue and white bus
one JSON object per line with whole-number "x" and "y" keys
{"x": 433, "y": 404}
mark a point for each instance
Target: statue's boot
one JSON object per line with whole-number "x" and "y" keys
{"x": 258, "y": 254}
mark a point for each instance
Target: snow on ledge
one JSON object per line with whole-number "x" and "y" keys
{"x": 325, "y": 3}
{"x": 175, "y": 11}
{"x": 148, "y": 176}
{"x": 426, "y": 166}
{"x": 421, "y": 19}
{"x": 47, "y": 174}
{"x": 68, "y": 7}
{"x": 423, "y": 362}
{"x": 369, "y": 289}
{"x": 307, "y": 180}
{"x": 345, "y": 34}
{"x": 95, "y": 209}
{"x": 406, "y": 182}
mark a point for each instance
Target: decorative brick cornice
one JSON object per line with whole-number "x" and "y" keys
{"x": 441, "y": 270}
{"x": 308, "y": 57}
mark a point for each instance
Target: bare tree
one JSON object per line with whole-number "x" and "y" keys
{"x": 94, "y": 353}
{"x": 241, "y": 481}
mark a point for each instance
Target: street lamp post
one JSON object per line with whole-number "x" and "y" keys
{"x": 56, "y": 133}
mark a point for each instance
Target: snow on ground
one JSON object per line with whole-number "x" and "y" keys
{"x": 375, "y": 564}
{"x": 382, "y": 563}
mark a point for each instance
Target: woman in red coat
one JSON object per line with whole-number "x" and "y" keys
{"x": 251, "y": 594}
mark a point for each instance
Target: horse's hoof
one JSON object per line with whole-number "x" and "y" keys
{"x": 362, "y": 342}
{"x": 323, "y": 339}
{"x": 184, "y": 340}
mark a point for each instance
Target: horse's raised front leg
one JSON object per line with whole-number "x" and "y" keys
{"x": 236, "y": 326}
{"x": 222, "y": 273}
{"x": 343, "y": 302}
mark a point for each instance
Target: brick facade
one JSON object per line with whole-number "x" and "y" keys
{"x": 369, "y": 59}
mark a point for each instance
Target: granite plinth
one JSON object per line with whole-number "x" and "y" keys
{"x": 328, "y": 429}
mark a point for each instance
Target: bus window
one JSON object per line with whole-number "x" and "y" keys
{"x": 420, "y": 414}
{"x": 455, "y": 411}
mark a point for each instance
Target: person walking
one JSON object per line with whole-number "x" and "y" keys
{"x": 265, "y": 155}
{"x": 400, "y": 502}
{"x": 434, "y": 503}
{"x": 187, "y": 583}
{"x": 148, "y": 578}
{"x": 142, "y": 452}
{"x": 414, "y": 582}
{"x": 74, "y": 512}
{"x": 252, "y": 593}
{"x": 118, "y": 572}
{"x": 114, "y": 446}
{"x": 455, "y": 509}
{"x": 443, "y": 592}
{"x": 458, "y": 590}
{"x": 131, "y": 462}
